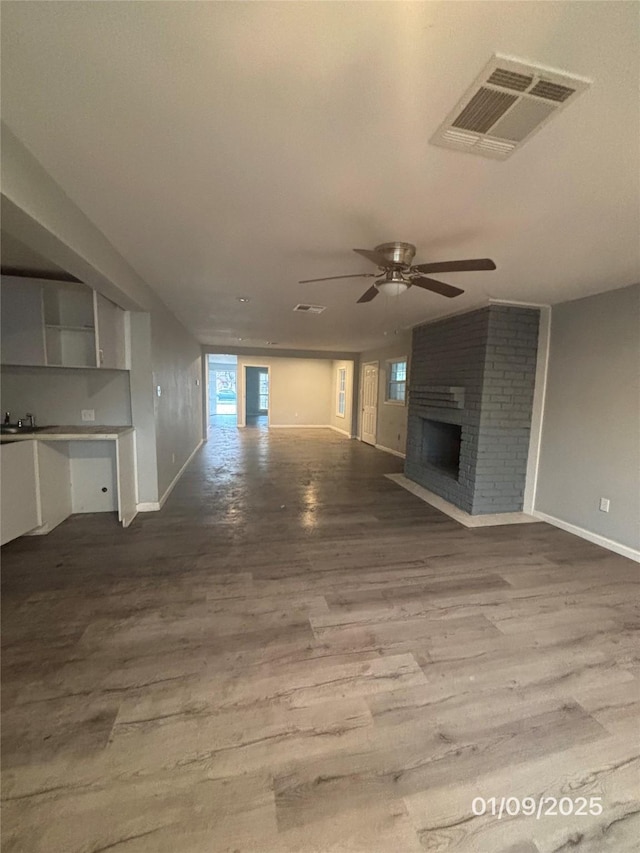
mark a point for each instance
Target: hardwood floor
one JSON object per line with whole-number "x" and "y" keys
{"x": 296, "y": 654}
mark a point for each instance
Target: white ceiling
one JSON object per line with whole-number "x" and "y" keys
{"x": 232, "y": 148}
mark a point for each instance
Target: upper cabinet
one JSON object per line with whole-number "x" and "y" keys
{"x": 111, "y": 342}
{"x": 69, "y": 325}
{"x": 60, "y": 324}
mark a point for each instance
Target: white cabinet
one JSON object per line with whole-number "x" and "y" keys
{"x": 111, "y": 349}
{"x": 60, "y": 324}
{"x": 47, "y": 479}
{"x": 54, "y": 482}
{"x": 19, "y": 494}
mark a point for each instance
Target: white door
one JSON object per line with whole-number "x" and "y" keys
{"x": 369, "y": 403}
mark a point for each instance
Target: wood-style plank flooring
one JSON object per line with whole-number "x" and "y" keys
{"x": 296, "y": 654}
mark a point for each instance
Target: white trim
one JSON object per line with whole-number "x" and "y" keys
{"x": 127, "y": 339}
{"x": 492, "y": 519}
{"x": 339, "y": 391}
{"x": 537, "y": 410}
{"x": 519, "y": 304}
{"x": 361, "y": 399}
{"x": 389, "y": 450}
{"x": 148, "y": 506}
{"x": 152, "y": 506}
{"x": 300, "y": 426}
{"x": 387, "y": 380}
{"x": 610, "y": 544}
{"x": 241, "y": 391}
{"x": 36, "y": 467}
{"x": 341, "y": 431}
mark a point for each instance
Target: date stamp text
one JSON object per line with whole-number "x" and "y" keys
{"x": 538, "y": 807}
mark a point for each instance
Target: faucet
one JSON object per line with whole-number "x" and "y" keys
{"x": 7, "y": 418}
{"x": 32, "y": 420}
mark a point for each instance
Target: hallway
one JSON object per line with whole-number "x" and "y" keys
{"x": 297, "y": 656}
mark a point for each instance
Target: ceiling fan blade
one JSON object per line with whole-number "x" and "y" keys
{"x": 436, "y": 286}
{"x": 334, "y": 277}
{"x": 375, "y": 257}
{"x": 370, "y": 294}
{"x": 474, "y": 265}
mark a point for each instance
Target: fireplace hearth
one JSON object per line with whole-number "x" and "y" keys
{"x": 441, "y": 446}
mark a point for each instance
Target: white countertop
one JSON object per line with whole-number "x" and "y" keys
{"x": 69, "y": 433}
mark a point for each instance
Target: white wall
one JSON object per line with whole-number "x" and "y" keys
{"x": 342, "y": 423}
{"x": 58, "y": 395}
{"x": 591, "y": 425}
{"x": 299, "y": 390}
{"x": 392, "y": 418}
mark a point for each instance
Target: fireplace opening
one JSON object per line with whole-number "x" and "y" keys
{"x": 441, "y": 446}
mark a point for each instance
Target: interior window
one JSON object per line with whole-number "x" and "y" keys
{"x": 396, "y": 380}
{"x": 342, "y": 391}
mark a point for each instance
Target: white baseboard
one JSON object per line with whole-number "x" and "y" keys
{"x": 610, "y": 544}
{"x": 148, "y": 506}
{"x": 389, "y": 450}
{"x": 180, "y": 473}
{"x": 299, "y": 426}
{"x": 154, "y": 506}
{"x": 341, "y": 431}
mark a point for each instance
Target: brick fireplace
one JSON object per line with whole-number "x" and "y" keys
{"x": 470, "y": 401}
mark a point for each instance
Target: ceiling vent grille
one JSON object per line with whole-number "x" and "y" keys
{"x": 506, "y": 104}
{"x": 310, "y": 309}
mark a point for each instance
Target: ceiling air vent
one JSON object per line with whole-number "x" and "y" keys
{"x": 310, "y": 309}
{"x": 507, "y": 103}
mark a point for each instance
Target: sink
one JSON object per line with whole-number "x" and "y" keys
{"x": 14, "y": 429}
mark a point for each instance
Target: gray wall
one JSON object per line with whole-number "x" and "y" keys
{"x": 58, "y": 395}
{"x": 142, "y": 406}
{"x": 590, "y": 436}
{"x": 392, "y": 418}
{"x": 177, "y": 369}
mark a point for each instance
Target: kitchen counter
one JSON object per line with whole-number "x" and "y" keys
{"x": 70, "y": 433}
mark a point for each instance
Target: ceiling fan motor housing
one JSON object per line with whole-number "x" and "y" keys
{"x": 400, "y": 254}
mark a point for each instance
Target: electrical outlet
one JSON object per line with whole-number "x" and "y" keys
{"x": 604, "y": 504}
{"x": 158, "y": 391}
{"x": 88, "y": 414}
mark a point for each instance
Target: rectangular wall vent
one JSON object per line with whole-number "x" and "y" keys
{"x": 310, "y": 309}
{"x": 506, "y": 104}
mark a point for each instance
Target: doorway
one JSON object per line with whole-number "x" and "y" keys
{"x": 223, "y": 390}
{"x": 369, "y": 406}
{"x": 256, "y": 396}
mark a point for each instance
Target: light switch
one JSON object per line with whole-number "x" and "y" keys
{"x": 88, "y": 414}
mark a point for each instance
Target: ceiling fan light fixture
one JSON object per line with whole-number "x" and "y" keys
{"x": 393, "y": 284}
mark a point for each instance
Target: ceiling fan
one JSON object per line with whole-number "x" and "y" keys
{"x": 397, "y": 273}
